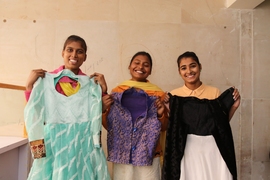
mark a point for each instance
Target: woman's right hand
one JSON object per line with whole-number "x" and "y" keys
{"x": 107, "y": 101}
{"x": 34, "y": 75}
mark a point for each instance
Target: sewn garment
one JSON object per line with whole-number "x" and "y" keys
{"x": 128, "y": 142}
{"x": 199, "y": 142}
{"x": 130, "y": 172}
{"x": 134, "y": 130}
{"x": 202, "y": 92}
{"x": 70, "y": 127}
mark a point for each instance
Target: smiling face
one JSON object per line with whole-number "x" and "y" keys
{"x": 140, "y": 68}
{"x": 190, "y": 71}
{"x": 74, "y": 55}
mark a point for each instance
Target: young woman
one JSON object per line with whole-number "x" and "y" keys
{"x": 134, "y": 122}
{"x": 74, "y": 55}
{"x": 199, "y": 142}
{"x": 63, "y": 119}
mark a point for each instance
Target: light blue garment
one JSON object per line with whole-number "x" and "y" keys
{"x": 70, "y": 127}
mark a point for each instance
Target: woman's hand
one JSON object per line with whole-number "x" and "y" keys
{"x": 99, "y": 78}
{"x": 166, "y": 101}
{"x": 160, "y": 107}
{"x": 237, "y": 99}
{"x": 34, "y": 75}
{"x": 107, "y": 101}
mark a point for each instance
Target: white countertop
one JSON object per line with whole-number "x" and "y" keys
{"x": 9, "y": 142}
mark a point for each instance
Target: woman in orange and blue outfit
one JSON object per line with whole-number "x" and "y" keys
{"x": 134, "y": 122}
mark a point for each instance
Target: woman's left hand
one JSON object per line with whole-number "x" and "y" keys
{"x": 99, "y": 78}
{"x": 236, "y": 97}
{"x": 166, "y": 101}
{"x": 160, "y": 107}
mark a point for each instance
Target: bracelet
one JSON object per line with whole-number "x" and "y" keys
{"x": 104, "y": 94}
{"x": 160, "y": 117}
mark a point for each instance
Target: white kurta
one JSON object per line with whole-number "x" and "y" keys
{"x": 202, "y": 160}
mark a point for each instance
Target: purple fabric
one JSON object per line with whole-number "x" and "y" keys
{"x": 132, "y": 143}
{"x": 135, "y": 102}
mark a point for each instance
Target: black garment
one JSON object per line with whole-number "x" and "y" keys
{"x": 190, "y": 115}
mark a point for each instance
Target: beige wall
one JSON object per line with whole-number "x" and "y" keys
{"x": 11, "y": 112}
{"x": 233, "y": 46}
{"x": 260, "y": 97}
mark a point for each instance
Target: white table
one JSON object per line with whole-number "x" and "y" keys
{"x": 14, "y": 158}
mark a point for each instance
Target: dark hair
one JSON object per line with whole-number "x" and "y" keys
{"x": 143, "y": 53}
{"x": 188, "y": 54}
{"x": 75, "y": 38}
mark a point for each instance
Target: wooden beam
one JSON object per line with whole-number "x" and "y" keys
{"x": 11, "y": 86}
